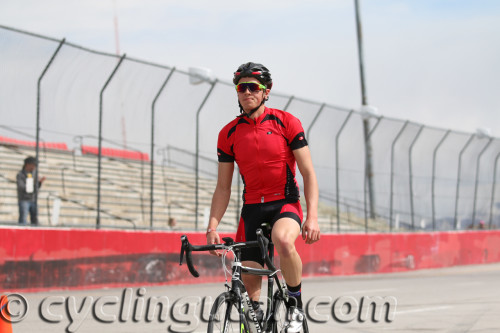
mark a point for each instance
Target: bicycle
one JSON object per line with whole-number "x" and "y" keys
{"x": 228, "y": 311}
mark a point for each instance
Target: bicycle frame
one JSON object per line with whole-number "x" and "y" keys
{"x": 237, "y": 287}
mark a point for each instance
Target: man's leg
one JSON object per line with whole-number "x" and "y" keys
{"x": 285, "y": 232}
{"x": 252, "y": 283}
{"x": 33, "y": 213}
{"x": 23, "y": 211}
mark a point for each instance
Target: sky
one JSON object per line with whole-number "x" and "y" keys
{"x": 434, "y": 62}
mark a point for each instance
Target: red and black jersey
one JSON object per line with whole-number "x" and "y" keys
{"x": 262, "y": 148}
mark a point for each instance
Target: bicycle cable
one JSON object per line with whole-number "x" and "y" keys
{"x": 226, "y": 270}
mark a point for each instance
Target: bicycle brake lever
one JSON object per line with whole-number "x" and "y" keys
{"x": 183, "y": 240}
{"x": 186, "y": 247}
{"x": 263, "y": 243}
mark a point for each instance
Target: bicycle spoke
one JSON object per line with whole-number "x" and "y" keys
{"x": 224, "y": 316}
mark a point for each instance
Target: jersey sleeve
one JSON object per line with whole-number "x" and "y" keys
{"x": 224, "y": 151}
{"x": 295, "y": 133}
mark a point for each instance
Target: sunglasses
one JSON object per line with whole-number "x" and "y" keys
{"x": 252, "y": 86}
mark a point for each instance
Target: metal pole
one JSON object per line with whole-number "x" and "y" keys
{"x": 392, "y": 172}
{"x": 163, "y": 153}
{"x": 458, "y": 178}
{"x": 366, "y": 121}
{"x": 314, "y": 121}
{"x": 197, "y": 166}
{"x": 153, "y": 111}
{"x": 493, "y": 190}
{"x": 337, "y": 167}
{"x": 410, "y": 151}
{"x": 99, "y": 157}
{"x": 288, "y": 102}
{"x": 359, "y": 31}
{"x": 477, "y": 178}
{"x": 366, "y": 179}
{"x": 37, "y": 147}
{"x": 434, "y": 178}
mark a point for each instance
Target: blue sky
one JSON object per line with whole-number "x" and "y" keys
{"x": 430, "y": 61}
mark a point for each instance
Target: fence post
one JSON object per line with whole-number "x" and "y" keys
{"x": 392, "y": 172}
{"x": 477, "y": 178}
{"x": 433, "y": 194}
{"x": 316, "y": 116}
{"x": 493, "y": 190}
{"x": 153, "y": 111}
{"x": 288, "y": 102}
{"x": 337, "y": 136}
{"x": 99, "y": 157}
{"x": 37, "y": 147}
{"x": 197, "y": 166}
{"x": 458, "y": 178}
{"x": 412, "y": 209}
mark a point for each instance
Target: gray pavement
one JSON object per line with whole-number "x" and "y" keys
{"x": 458, "y": 299}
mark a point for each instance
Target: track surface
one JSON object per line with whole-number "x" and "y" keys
{"x": 458, "y": 299}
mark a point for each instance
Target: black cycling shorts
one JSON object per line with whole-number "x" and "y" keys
{"x": 254, "y": 215}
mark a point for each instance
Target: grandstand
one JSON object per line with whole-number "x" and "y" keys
{"x": 125, "y": 196}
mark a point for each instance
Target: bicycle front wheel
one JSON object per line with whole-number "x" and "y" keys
{"x": 280, "y": 316}
{"x": 225, "y": 317}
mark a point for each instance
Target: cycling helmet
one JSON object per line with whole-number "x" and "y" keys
{"x": 258, "y": 71}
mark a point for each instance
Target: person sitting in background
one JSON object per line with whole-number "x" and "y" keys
{"x": 26, "y": 191}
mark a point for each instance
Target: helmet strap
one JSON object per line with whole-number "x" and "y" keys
{"x": 249, "y": 114}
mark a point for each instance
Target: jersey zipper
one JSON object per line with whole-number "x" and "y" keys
{"x": 259, "y": 157}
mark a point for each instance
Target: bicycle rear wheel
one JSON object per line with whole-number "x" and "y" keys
{"x": 225, "y": 317}
{"x": 280, "y": 315}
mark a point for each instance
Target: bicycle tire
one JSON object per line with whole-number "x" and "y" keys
{"x": 225, "y": 312}
{"x": 280, "y": 312}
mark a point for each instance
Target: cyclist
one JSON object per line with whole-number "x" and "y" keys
{"x": 266, "y": 144}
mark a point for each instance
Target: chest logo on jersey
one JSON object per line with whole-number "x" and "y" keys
{"x": 269, "y": 133}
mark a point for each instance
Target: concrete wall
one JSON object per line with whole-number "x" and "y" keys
{"x": 34, "y": 259}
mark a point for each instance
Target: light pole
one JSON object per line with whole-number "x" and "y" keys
{"x": 366, "y": 120}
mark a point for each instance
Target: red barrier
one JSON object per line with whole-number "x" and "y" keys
{"x": 47, "y": 145}
{"x": 118, "y": 153}
{"x": 37, "y": 259}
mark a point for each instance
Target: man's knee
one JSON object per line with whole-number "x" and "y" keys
{"x": 285, "y": 232}
{"x": 285, "y": 246}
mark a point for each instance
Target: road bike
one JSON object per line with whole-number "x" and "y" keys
{"x": 232, "y": 310}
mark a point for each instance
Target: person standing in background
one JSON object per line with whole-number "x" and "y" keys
{"x": 26, "y": 191}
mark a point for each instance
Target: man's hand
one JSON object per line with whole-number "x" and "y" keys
{"x": 42, "y": 179}
{"x": 213, "y": 238}
{"x": 310, "y": 230}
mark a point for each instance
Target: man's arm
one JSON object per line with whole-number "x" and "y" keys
{"x": 310, "y": 229}
{"x": 21, "y": 182}
{"x": 220, "y": 200}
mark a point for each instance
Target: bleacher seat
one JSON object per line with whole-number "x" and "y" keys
{"x": 26, "y": 143}
{"x": 115, "y": 153}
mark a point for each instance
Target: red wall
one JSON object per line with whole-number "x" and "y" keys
{"x": 38, "y": 259}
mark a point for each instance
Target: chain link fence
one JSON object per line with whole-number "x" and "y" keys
{"x": 424, "y": 178}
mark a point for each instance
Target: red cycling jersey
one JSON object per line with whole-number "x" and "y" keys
{"x": 263, "y": 149}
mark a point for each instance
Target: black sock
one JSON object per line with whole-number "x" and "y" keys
{"x": 258, "y": 311}
{"x": 296, "y": 293}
